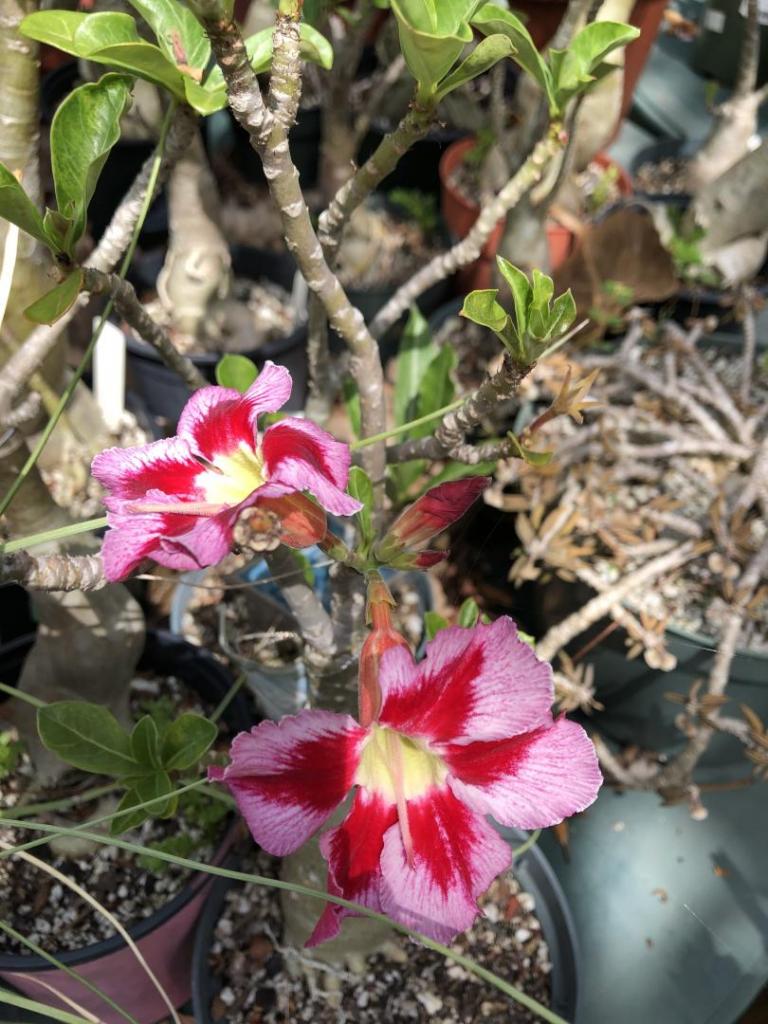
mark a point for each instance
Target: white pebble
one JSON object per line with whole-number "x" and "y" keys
{"x": 430, "y": 1002}
{"x": 227, "y": 996}
{"x": 523, "y": 934}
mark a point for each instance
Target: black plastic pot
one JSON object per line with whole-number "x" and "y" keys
{"x": 166, "y": 936}
{"x": 162, "y": 392}
{"x": 536, "y": 877}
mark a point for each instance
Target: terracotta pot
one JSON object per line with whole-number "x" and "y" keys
{"x": 544, "y": 16}
{"x": 460, "y": 213}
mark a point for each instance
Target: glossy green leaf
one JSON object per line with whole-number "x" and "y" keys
{"x": 437, "y": 388}
{"x": 486, "y": 54}
{"x": 432, "y": 36}
{"x": 491, "y": 18}
{"x": 469, "y": 613}
{"x": 206, "y": 99}
{"x": 186, "y": 740}
{"x": 563, "y": 314}
{"x": 85, "y": 128}
{"x": 87, "y": 736}
{"x": 178, "y": 32}
{"x": 433, "y": 623}
{"x": 145, "y": 742}
{"x": 574, "y": 69}
{"x": 521, "y": 292}
{"x": 539, "y": 315}
{"x": 236, "y": 371}
{"x": 416, "y": 352}
{"x": 107, "y": 37}
{"x": 361, "y": 488}
{"x": 55, "y": 303}
{"x": 18, "y": 208}
{"x": 482, "y": 308}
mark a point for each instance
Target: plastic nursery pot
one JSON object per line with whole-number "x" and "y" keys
{"x": 161, "y": 391}
{"x": 165, "y": 938}
{"x": 279, "y": 689}
{"x": 637, "y": 711}
{"x": 536, "y": 877}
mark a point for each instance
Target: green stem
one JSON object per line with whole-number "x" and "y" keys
{"x": 228, "y": 697}
{"x": 39, "y": 951}
{"x": 22, "y": 1003}
{"x": 50, "y": 426}
{"x": 13, "y": 692}
{"x": 86, "y": 797}
{"x": 405, "y": 427}
{"x": 531, "y": 841}
{"x": 34, "y": 539}
{"x": 301, "y": 890}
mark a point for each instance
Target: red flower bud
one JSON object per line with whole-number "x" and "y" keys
{"x": 428, "y": 515}
{"x": 382, "y": 636}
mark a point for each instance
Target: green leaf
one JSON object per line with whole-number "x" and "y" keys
{"x": 18, "y": 208}
{"x": 432, "y": 36}
{"x": 361, "y": 488}
{"x": 563, "y": 314}
{"x": 469, "y": 613}
{"x": 352, "y": 402}
{"x": 206, "y": 99}
{"x": 539, "y": 314}
{"x": 145, "y": 742}
{"x": 87, "y": 736}
{"x": 313, "y": 47}
{"x": 85, "y": 128}
{"x": 521, "y": 292}
{"x": 179, "y": 34}
{"x": 416, "y": 352}
{"x": 433, "y": 623}
{"x": 146, "y": 788}
{"x": 186, "y": 740}
{"x": 437, "y": 388}
{"x": 486, "y": 54}
{"x": 526, "y": 638}
{"x": 528, "y": 454}
{"x": 482, "y": 308}
{"x": 573, "y": 70}
{"x": 106, "y": 37}
{"x": 491, "y": 18}
{"x": 55, "y": 303}
{"x": 236, "y": 371}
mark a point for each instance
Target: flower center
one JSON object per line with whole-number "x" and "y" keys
{"x": 234, "y": 477}
{"x": 395, "y": 765}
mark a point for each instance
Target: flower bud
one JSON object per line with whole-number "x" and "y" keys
{"x": 302, "y": 521}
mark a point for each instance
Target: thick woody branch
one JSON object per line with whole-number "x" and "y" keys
{"x": 560, "y": 635}
{"x": 53, "y": 572}
{"x": 382, "y": 162}
{"x": 269, "y": 138}
{"x": 132, "y": 311}
{"x": 314, "y": 622}
{"x": 469, "y": 248}
{"x": 448, "y": 440}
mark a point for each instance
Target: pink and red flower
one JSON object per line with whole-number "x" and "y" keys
{"x": 177, "y": 500}
{"x": 466, "y": 732}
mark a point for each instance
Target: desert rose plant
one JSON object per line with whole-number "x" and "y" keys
{"x": 440, "y": 742}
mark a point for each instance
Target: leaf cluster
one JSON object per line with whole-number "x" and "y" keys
{"x": 537, "y": 320}
{"x": 89, "y": 737}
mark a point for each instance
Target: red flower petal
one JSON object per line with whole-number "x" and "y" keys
{"x": 456, "y": 856}
{"x": 166, "y": 466}
{"x": 300, "y": 454}
{"x": 288, "y": 776}
{"x": 533, "y": 780}
{"x": 217, "y": 420}
{"x": 353, "y": 851}
{"x": 430, "y": 514}
{"x": 479, "y": 683}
